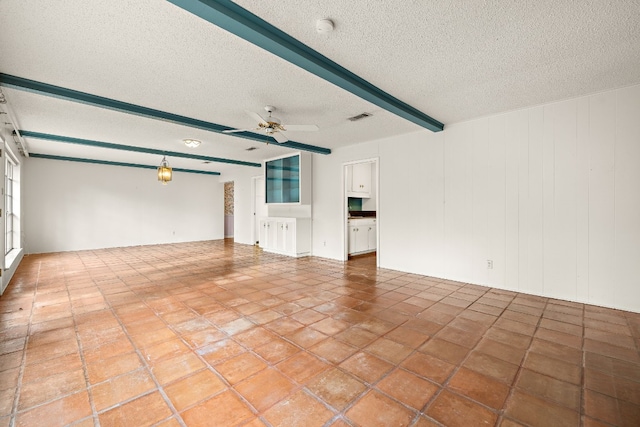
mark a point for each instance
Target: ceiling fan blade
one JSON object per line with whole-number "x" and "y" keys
{"x": 301, "y": 128}
{"x": 257, "y": 117}
{"x": 279, "y": 137}
{"x": 236, "y": 130}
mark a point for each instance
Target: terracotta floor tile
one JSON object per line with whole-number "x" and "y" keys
{"x": 48, "y": 388}
{"x": 202, "y": 338}
{"x": 336, "y": 388}
{"x": 10, "y": 360}
{"x": 513, "y": 339}
{"x": 606, "y": 349}
{"x": 255, "y": 337}
{"x": 501, "y": 351}
{"x": 534, "y": 411}
{"x": 103, "y": 369}
{"x": 480, "y": 388}
{"x": 165, "y": 350}
{"x": 299, "y": 410}
{"x": 375, "y": 409}
{"x": 168, "y": 370}
{"x": 366, "y": 367}
{"x": 108, "y": 349}
{"x": 194, "y": 388}
{"x": 449, "y": 352}
{"x": 277, "y": 350}
{"x": 145, "y": 410}
{"x": 429, "y": 367}
{"x": 284, "y": 326}
{"x": 173, "y": 300}
{"x": 121, "y": 388}
{"x": 553, "y": 368}
{"x": 389, "y": 350}
{"x": 220, "y": 350}
{"x": 453, "y": 410}
{"x": 302, "y": 366}
{"x": 9, "y": 378}
{"x": 306, "y": 337}
{"x": 559, "y": 338}
{"x": 6, "y": 401}
{"x": 562, "y": 393}
{"x": 58, "y": 412}
{"x": 265, "y": 388}
{"x": 240, "y": 367}
{"x": 225, "y": 408}
{"x": 557, "y": 351}
{"x": 329, "y": 326}
{"x": 492, "y": 367}
{"x": 333, "y": 350}
{"x": 356, "y": 337}
{"x": 408, "y": 388}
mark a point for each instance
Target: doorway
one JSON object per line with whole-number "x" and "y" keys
{"x": 228, "y": 209}
{"x": 258, "y": 208}
{"x": 361, "y": 212}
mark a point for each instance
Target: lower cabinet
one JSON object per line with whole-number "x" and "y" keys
{"x": 362, "y": 236}
{"x": 286, "y": 236}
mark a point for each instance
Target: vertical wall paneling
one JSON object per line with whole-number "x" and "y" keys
{"x": 565, "y": 198}
{"x": 625, "y": 277}
{"x": 523, "y": 199}
{"x": 534, "y": 231}
{"x": 496, "y": 199}
{"x": 458, "y": 196}
{"x": 515, "y": 132}
{"x": 601, "y": 196}
{"x": 582, "y": 199}
{"x": 550, "y": 252}
{"x": 479, "y": 166}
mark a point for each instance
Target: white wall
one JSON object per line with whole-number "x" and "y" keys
{"x": 74, "y": 206}
{"x": 550, "y": 193}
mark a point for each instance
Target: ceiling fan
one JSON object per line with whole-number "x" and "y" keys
{"x": 272, "y": 126}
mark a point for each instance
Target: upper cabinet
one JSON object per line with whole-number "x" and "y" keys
{"x": 288, "y": 180}
{"x": 359, "y": 180}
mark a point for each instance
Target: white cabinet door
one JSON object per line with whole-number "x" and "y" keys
{"x": 286, "y": 236}
{"x": 371, "y": 237}
{"x": 268, "y": 236}
{"x": 352, "y": 239}
{"x": 359, "y": 180}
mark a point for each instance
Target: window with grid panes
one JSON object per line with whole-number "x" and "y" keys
{"x": 8, "y": 203}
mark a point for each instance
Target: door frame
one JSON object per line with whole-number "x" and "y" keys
{"x": 345, "y": 207}
{"x": 255, "y": 224}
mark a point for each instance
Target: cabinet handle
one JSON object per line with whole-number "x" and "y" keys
{"x": 286, "y": 227}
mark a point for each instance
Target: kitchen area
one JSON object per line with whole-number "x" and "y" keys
{"x": 362, "y": 208}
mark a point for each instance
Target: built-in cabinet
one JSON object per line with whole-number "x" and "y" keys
{"x": 359, "y": 180}
{"x": 362, "y": 236}
{"x": 286, "y": 236}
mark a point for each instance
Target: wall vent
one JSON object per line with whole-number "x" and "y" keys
{"x": 359, "y": 117}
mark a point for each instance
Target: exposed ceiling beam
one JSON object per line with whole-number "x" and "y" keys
{"x": 239, "y": 21}
{"x": 21, "y": 83}
{"x": 106, "y": 162}
{"x": 111, "y": 146}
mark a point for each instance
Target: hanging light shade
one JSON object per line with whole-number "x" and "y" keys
{"x": 164, "y": 171}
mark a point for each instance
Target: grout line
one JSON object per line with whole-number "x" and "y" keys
{"x": 23, "y": 363}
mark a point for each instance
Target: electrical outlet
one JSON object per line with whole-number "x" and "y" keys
{"x": 490, "y": 264}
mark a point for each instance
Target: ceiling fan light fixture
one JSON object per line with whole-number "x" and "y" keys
{"x": 165, "y": 173}
{"x": 192, "y": 143}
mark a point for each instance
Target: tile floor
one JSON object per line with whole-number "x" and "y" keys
{"x": 215, "y": 333}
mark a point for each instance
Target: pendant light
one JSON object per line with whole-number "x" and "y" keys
{"x": 164, "y": 171}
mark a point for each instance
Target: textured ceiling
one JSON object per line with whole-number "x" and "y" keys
{"x": 453, "y": 60}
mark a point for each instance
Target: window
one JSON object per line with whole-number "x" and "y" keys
{"x": 8, "y": 206}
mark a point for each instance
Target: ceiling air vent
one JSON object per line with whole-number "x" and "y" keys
{"x": 359, "y": 117}
{"x": 251, "y": 148}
